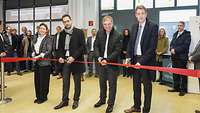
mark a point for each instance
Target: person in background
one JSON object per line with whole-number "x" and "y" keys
{"x": 11, "y": 48}
{"x": 27, "y": 49}
{"x": 126, "y": 37}
{"x": 179, "y": 48}
{"x": 162, "y": 48}
{"x": 58, "y": 66}
{"x": 42, "y": 48}
{"x": 90, "y": 51}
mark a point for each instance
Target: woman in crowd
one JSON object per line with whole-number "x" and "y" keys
{"x": 162, "y": 48}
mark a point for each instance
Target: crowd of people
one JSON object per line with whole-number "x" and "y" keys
{"x": 144, "y": 44}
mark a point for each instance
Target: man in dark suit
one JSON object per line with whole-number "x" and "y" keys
{"x": 58, "y": 66}
{"x": 90, "y": 51}
{"x": 71, "y": 48}
{"x": 141, "y": 51}
{"x": 107, "y": 49}
{"x": 179, "y": 48}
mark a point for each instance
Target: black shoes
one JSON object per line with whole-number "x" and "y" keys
{"x": 182, "y": 94}
{"x": 61, "y": 105}
{"x": 75, "y": 105}
{"x": 173, "y": 90}
{"x": 99, "y": 103}
{"x": 197, "y": 111}
{"x": 109, "y": 109}
{"x": 40, "y": 101}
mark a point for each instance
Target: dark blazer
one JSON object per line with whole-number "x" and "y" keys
{"x": 196, "y": 56}
{"x": 56, "y": 52}
{"x": 2, "y": 44}
{"x": 114, "y": 45}
{"x": 181, "y": 45}
{"x": 45, "y": 47}
{"x": 77, "y": 49}
{"x": 89, "y": 43}
{"x": 148, "y": 43}
{"x": 10, "y": 48}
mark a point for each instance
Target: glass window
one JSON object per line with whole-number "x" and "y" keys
{"x": 54, "y": 24}
{"x": 13, "y": 26}
{"x": 146, "y": 3}
{"x": 29, "y": 26}
{"x": 123, "y": 5}
{"x": 26, "y": 14}
{"x": 12, "y": 15}
{"x": 38, "y": 23}
{"x": 164, "y": 3}
{"x": 168, "y": 21}
{"x": 107, "y": 4}
{"x": 187, "y": 2}
{"x": 58, "y": 11}
{"x": 42, "y": 13}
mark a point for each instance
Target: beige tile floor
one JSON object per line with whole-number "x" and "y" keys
{"x": 21, "y": 90}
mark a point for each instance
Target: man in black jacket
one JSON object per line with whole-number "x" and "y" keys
{"x": 179, "y": 48}
{"x": 107, "y": 49}
{"x": 71, "y": 48}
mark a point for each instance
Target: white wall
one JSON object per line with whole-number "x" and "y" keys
{"x": 83, "y": 11}
{"x": 1, "y": 9}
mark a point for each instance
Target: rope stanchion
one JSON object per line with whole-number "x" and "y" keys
{"x": 4, "y": 99}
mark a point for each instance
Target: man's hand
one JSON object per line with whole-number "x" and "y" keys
{"x": 137, "y": 64}
{"x": 173, "y": 51}
{"x": 190, "y": 59}
{"x": 3, "y": 54}
{"x": 103, "y": 62}
{"x": 61, "y": 60}
{"x": 70, "y": 60}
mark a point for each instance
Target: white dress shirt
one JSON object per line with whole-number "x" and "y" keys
{"x": 38, "y": 43}
{"x": 57, "y": 39}
{"x": 106, "y": 46}
{"x": 139, "y": 52}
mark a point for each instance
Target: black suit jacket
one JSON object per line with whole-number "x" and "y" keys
{"x": 77, "y": 49}
{"x": 10, "y": 48}
{"x": 2, "y": 44}
{"x": 46, "y": 48}
{"x": 55, "y": 51}
{"x": 114, "y": 45}
{"x": 148, "y": 43}
{"x": 181, "y": 45}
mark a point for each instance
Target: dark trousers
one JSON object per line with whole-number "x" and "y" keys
{"x": 66, "y": 83}
{"x": 145, "y": 77}
{"x": 180, "y": 81}
{"x": 107, "y": 73}
{"x": 42, "y": 76}
{"x": 10, "y": 65}
{"x": 91, "y": 58}
{"x": 58, "y": 68}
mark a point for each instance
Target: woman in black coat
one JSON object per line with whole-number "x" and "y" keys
{"x": 42, "y": 47}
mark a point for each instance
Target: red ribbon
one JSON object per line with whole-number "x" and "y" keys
{"x": 186, "y": 72}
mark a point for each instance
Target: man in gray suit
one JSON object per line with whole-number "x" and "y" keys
{"x": 195, "y": 58}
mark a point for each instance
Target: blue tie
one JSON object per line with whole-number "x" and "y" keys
{"x": 137, "y": 39}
